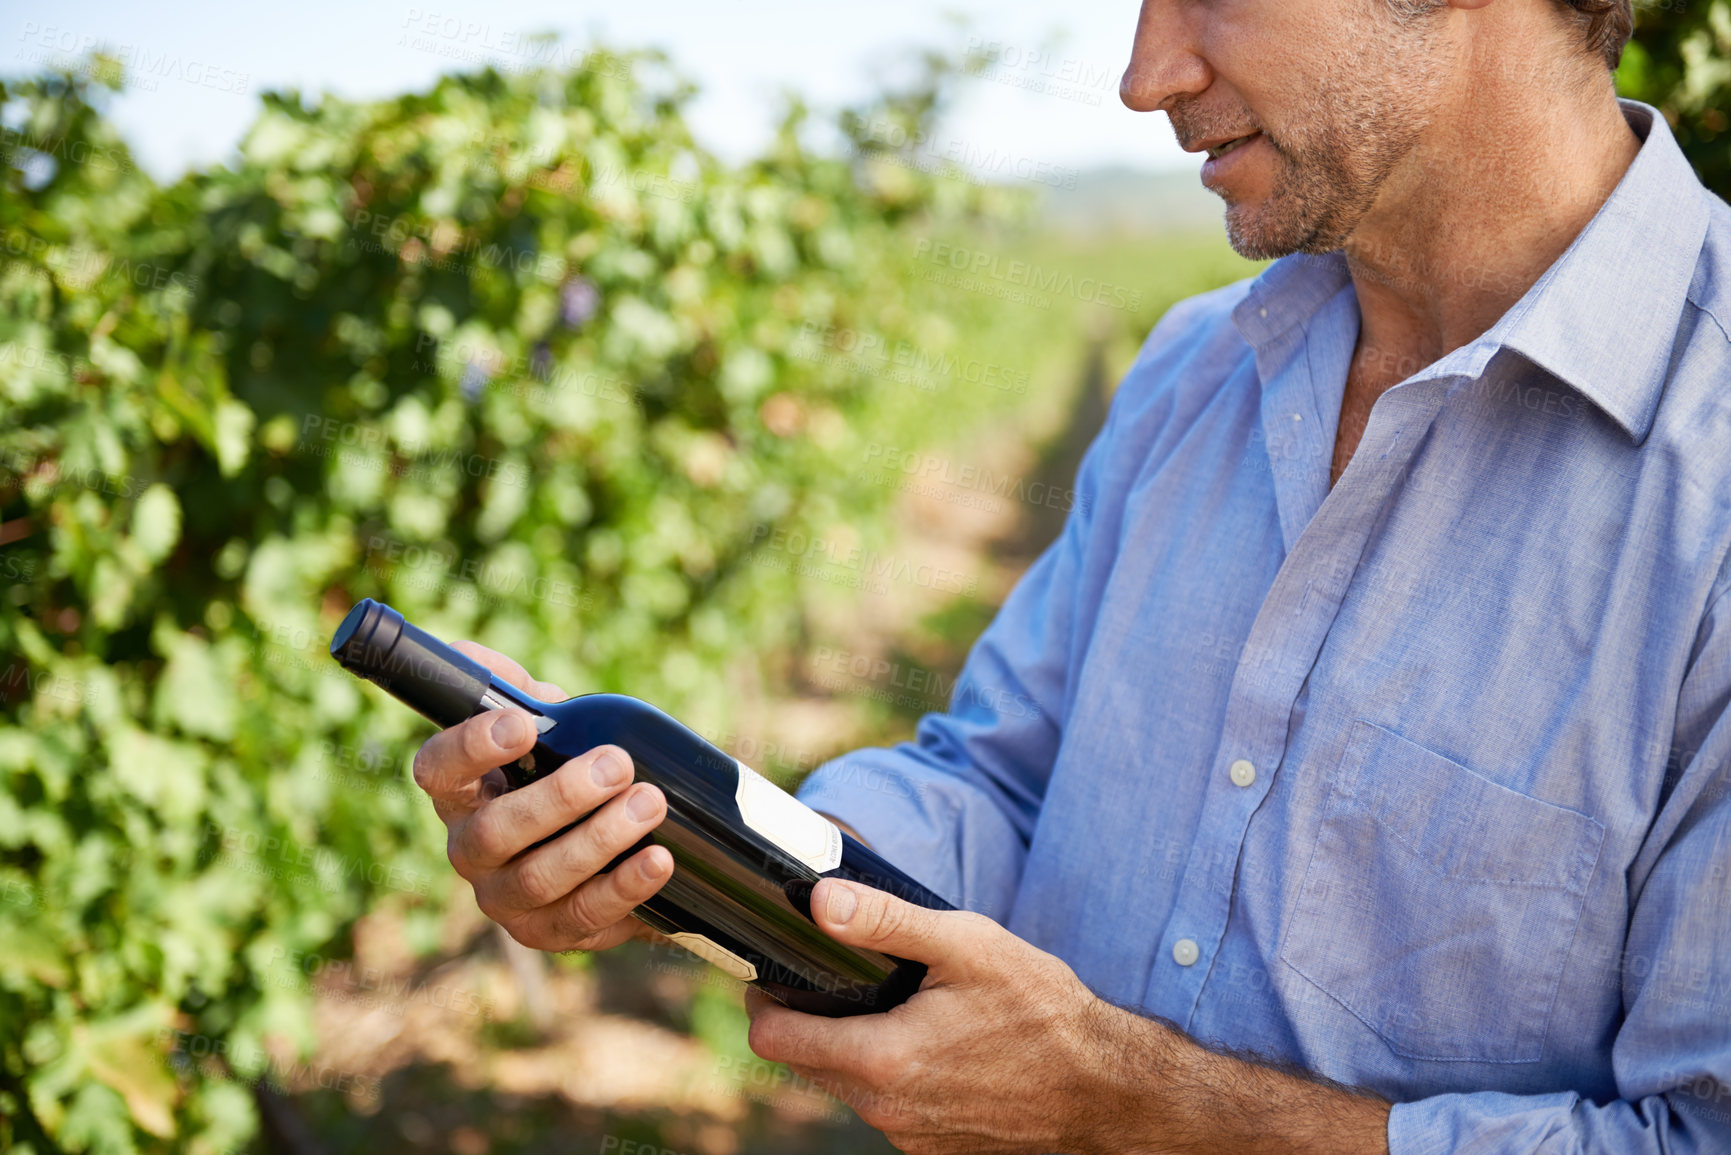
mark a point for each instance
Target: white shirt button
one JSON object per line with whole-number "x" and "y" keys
{"x": 1243, "y": 773}
{"x": 1185, "y": 952}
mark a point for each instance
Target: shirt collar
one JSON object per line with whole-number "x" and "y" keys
{"x": 1603, "y": 318}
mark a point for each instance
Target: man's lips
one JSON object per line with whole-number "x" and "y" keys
{"x": 1221, "y": 143}
{"x": 1224, "y": 155}
{"x": 1216, "y": 151}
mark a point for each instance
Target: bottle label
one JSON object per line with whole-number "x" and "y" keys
{"x": 786, "y": 821}
{"x": 715, "y": 954}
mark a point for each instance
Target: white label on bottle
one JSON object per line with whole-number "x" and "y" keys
{"x": 786, "y": 821}
{"x": 714, "y": 953}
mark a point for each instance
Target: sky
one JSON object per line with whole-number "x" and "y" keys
{"x": 1048, "y": 102}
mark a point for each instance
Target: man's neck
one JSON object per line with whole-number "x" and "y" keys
{"x": 1486, "y": 202}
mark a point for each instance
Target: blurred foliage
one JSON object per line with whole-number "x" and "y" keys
{"x": 1680, "y": 62}
{"x": 514, "y": 355}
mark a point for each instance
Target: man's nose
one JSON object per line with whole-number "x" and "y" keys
{"x": 1164, "y": 60}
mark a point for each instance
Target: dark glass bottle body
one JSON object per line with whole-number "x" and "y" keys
{"x": 746, "y": 855}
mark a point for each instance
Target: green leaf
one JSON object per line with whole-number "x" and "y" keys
{"x": 233, "y": 426}
{"x": 195, "y": 693}
{"x": 156, "y": 523}
{"x": 31, "y": 956}
{"x": 122, "y": 1054}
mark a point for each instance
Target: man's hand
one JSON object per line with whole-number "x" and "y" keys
{"x": 549, "y": 898}
{"x": 989, "y": 1055}
{"x": 1004, "y": 1050}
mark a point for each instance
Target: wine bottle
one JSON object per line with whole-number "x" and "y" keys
{"x": 746, "y": 854}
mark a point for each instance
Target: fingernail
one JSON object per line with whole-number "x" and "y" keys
{"x": 608, "y": 769}
{"x": 640, "y": 806}
{"x": 841, "y": 904}
{"x": 509, "y": 728}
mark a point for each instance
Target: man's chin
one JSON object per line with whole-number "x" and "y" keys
{"x": 1257, "y": 233}
{"x": 1252, "y": 238}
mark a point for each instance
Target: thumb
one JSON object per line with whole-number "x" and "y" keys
{"x": 947, "y": 941}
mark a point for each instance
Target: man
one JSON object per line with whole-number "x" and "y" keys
{"x": 1378, "y": 794}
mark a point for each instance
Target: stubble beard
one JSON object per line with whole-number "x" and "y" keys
{"x": 1352, "y": 126}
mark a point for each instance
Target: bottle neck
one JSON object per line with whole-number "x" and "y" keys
{"x": 502, "y": 694}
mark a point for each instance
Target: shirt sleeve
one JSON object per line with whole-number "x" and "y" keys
{"x": 955, "y": 807}
{"x": 1672, "y": 1054}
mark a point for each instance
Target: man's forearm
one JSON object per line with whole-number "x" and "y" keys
{"x": 1159, "y": 1091}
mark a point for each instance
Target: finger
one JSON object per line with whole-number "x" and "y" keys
{"x": 548, "y": 873}
{"x": 847, "y": 1046}
{"x": 757, "y": 1001}
{"x": 583, "y": 919}
{"x": 606, "y": 938}
{"x": 511, "y": 671}
{"x": 646, "y": 933}
{"x": 450, "y": 764}
{"x": 493, "y": 784}
{"x": 947, "y": 941}
{"x": 504, "y": 827}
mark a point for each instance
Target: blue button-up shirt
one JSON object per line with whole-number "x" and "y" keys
{"x": 1422, "y": 782}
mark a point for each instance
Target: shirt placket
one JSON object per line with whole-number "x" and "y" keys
{"x": 1299, "y": 610}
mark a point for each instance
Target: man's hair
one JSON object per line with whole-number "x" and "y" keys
{"x": 1606, "y": 25}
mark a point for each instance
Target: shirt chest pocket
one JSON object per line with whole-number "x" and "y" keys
{"x": 1438, "y": 906}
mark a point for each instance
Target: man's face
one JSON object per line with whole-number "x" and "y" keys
{"x": 1333, "y": 94}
